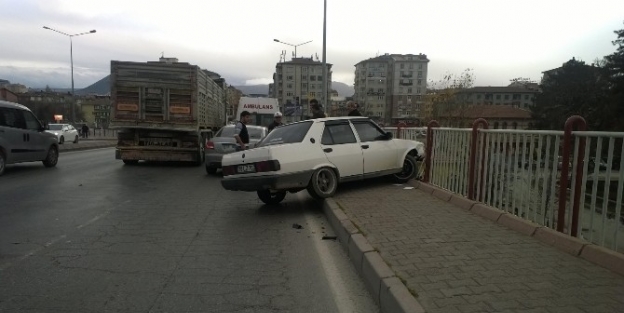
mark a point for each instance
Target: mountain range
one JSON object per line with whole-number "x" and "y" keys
{"x": 103, "y": 87}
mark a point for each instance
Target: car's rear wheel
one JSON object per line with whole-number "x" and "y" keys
{"x": 52, "y": 157}
{"x": 211, "y": 169}
{"x": 61, "y": 140}
{"x": 76, "y": 139}
{"x": 323, "y": 184}
{"x": 271, "y": 198}
{"x": 2, "y": 163}
{"x": 409, "y": 171}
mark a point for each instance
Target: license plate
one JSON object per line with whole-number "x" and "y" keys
{"x": 247, "y": 168}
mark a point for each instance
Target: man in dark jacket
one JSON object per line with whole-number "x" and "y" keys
{"x": 241, "y": 135}
{"x": 353, "y": 109}
{"x": 316, "y": 109}
{"x": 277, "y": 121}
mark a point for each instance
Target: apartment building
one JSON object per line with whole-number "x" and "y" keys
{"x": 515, "y": 95}
{"x": 391, "y": 87}
{"x": 296, "y": 82}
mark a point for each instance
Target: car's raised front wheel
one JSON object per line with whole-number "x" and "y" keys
{"x": 323, "y": 184}
{"x": 409, "y": 170}
{"x": 271, "y": 198}
{"x": 52, "y": 157}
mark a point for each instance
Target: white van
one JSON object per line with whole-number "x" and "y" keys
{"x": 262, "y": 109}
{"x": 23, "y": 138}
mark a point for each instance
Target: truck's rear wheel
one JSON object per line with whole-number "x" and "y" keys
{"x": 130, "y": 162}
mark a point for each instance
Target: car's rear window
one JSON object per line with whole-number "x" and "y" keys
{"x": 228, "y": 131}
{"x": 55, "y": 127}
{"x": 291, "y": 133}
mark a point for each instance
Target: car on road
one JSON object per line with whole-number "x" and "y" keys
{"x": 23, "y": 138}
{"x": 63, "y": 132}
{"x": 317, "y": 155}
{"x": 223, "y": 143}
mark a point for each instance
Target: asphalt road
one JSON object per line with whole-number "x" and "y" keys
{"x": 94, "y": 235}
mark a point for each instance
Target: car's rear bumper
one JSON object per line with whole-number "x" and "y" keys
{"x": 268, "y": 182}
{"x": 214, "y": 159}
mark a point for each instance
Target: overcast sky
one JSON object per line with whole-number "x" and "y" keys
{"x": 499, "y": 39}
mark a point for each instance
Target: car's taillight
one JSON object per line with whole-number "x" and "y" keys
{"x": 209, "y": 145}
{"x": 268, "y": 166}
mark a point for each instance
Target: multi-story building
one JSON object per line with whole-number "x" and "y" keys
{"x": 7, "y": 95}
{"x": 298, "y": 81}
{"x": 96, "y": 110}
{"x": 391, "y": 87}
{"x": 518, "y": 96}
{"x": 234, "y": 96}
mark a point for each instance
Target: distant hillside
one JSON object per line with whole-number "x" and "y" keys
{"x": 102, "y": 87}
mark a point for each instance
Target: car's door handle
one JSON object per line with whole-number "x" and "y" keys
{"x": 328, "y": 150}
{"x": 364, "y": 146}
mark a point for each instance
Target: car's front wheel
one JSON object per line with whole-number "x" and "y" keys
{"x": 76, "y": 139}
{"x": 323, "y": 184}
{"x": 211, "y": 169}
{"x": 61, "y": 140}
{"x": 409, "y": 170}
{"x": 52, "y": 157}
{"x": 2, "y": 163}
{"x": 271, "y": 198}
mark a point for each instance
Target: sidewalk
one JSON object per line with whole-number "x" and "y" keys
{"x": 456, "y": 261}
{"x": 87, "y": 144}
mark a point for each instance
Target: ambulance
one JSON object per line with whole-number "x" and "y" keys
{"x": 262, "y": 109}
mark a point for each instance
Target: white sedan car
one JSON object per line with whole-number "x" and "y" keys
{"x": 63, "y": 132}
{"x": 317, "y": 155}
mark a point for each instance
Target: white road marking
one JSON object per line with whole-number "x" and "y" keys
{"x": 57, "y": 239}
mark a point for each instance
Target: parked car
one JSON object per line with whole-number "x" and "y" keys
{"x": 23, "y": 138}
{"x": 223, "y": 143}
{"x": 317, "y": 155}
{"x": 63, "y": 132}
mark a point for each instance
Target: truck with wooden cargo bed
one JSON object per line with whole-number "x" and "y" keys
{"x": 164, "y": 110}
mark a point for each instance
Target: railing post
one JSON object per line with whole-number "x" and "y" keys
{"x": 581, "y": 125}
{"x": 472, "y": 167}
{"x": 429, "y": 149}
{"x": 399, "y": 129}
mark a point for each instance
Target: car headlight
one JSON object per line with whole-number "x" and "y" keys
{"x": 56, "y": 133}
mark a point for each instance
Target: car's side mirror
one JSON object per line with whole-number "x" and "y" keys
{"x": 388, "y": 135}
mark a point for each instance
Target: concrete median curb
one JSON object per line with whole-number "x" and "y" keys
{"x": 386, "y": 288}
{"x": 598, "y": 255}
{"x": 86, "y": 146}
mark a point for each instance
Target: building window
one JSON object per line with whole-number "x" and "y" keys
{"x": 515, "y": 125}
{"x": 304, "y": 86}
{"x": 498, "y": 97}
{"x": 506, "y": 97}
{"x": 380, "y": 97}
{"x": 289, "y": 86}
{"x": 409, "y": 98}
{"x": 419, "y": 74}
{"x": 409, "y": 90}
{"x": 418, "y": 90}
{"x": 495, "y": 125}
{"x": 420, "y": 66}
{"x": 419, "y": 82}
{"x": 526, "y": 97}
{"x": 289, "y": 94}
{"x": 504, "y": 125}
{"x": 411, "y": 66}
{"x": 289, "y": 77}
{"x": 320, "y": 78}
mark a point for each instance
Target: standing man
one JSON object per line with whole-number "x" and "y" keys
{"x": 353, "y": 109}
{"x": 277, "y": 121}
{"x": 240, "y": 131}
{"x": 316, "y": 109}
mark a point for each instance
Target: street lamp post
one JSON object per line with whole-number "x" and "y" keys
{"x": 295, "y": 46}
{"x": 71, "y": 58}
{"x": 324, "y": 99}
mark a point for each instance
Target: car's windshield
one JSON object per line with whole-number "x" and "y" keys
{"x": 286, "y": 134}
{"x": 228, "y": 131}
{"x": 56, "y": 127}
